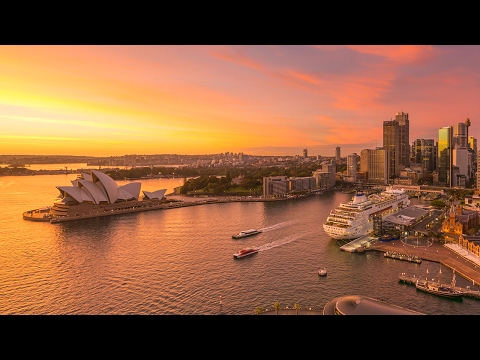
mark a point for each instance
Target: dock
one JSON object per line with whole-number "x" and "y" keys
{"x": 404, "y": 257}
{"x": 358, "y": 245}
{"x": 412, "y": 280}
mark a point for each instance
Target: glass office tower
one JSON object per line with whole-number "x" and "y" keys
{"x": 445, "y": 148}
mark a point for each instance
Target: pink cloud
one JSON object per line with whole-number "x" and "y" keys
{"x": 396, "y": 53}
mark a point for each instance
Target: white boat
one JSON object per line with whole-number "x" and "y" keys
{"x": 322, "y": 272}
{"x": 244, "y": 233}
{"x": 354, "y": 219}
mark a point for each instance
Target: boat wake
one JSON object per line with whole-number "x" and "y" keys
{"x": 277, "y": 243}
{"x": 277, "y": 226}
{"x": 4, "y": 185}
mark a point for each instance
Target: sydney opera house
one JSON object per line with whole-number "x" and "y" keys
{"x": 96, "y": 194}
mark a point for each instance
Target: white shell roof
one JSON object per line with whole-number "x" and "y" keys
{"x": 158, "y": 194}
{"x": 94, "y": 191}
{"x": 99, "y": 187}
{"x": 111, "y": 187}
{"x": 132, "y": 188}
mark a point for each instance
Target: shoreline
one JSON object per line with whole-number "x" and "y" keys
{"x": 465, "y": 264}
{"x": 449, "y": 255}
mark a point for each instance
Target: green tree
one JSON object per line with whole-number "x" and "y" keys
{"x": 277, "y": 307}
{"x": 297, "y": 307}
{"x": 258, "y": 310}
{"x": 439, "y": 204}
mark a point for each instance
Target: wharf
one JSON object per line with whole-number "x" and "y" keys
{"x": 396, "y": 255}
{"x": 452, "y": 256}
{"x": 412, "y": 280}
{"x": 359, "y": 245}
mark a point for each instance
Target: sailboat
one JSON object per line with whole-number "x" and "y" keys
{"x": 438, "y": 288}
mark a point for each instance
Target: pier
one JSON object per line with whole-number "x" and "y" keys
{"x": 412, "y": 280}
{"x": 404, "y": 257}
{"x": 359, "y": 245}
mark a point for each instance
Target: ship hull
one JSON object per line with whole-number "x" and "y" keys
{"x": 350, "y": 234}
{"x": 343, "y": 226}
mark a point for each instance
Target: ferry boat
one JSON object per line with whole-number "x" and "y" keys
{"x": 354, "y": 219}
{"x": 244, "y": 233}
{"x": 245, "y": 252}
{"x": 322, "y": 272}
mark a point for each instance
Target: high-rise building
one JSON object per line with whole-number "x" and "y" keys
{"x": 472, "y": 143}
{"x": 391, "y": 143}
{"x": 352, "y": 161}
{"x": 460, "y": 135}
{"x": 478, "y": 176}
{"x": 424, "y": 154}
{"x": 403, "y": 139}
{"x": 467, "y": 123}
{"x": 374, "y": 164}
{"x": 305, "y": 153}
{"x": 337, "y": 153}
{"x": 445, "y": 150}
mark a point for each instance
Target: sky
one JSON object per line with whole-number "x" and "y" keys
{"x": 269, "y": 100}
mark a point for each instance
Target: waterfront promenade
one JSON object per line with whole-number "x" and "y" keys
{"x": 452, "y": 256}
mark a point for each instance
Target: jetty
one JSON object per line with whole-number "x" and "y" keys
{"x": 358, "y": 245}
{"x": 412, "y": 280}
{"x": 404, "y": 257}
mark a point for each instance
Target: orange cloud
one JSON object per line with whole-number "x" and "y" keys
{"x": 235, "y": 55}
{"x": 396, "y": 53}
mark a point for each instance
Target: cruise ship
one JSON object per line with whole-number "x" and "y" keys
{"x": 354, "y": 219}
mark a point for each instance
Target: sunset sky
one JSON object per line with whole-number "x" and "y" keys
{"x": 112, "y": 100}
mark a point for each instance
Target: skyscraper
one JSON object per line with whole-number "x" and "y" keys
{"x": 460, "y": 135}
{"x": 403, "y": 139}
{"x": 391, "y": 145}
{"x": 337, "y": 153}
{"x": 374, "y": 164}
{"x": 305, "y": 153}
{"x": 472, "y": 142}
{"x": 352, "y": 161}
{"x": 445, "y": 149}
{"x": 423, "y": 152}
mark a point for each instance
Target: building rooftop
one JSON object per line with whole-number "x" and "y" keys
{"x": 407, "y": 216}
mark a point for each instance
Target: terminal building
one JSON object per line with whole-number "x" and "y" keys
{"x": 412, "y": 220}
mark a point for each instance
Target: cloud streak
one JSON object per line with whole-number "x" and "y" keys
{"x": 115, "y": 100}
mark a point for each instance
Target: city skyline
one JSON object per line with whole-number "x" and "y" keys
{"x": 112, "y": 100}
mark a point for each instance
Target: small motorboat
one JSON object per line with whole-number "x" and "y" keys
{"x": 322, "y": 272}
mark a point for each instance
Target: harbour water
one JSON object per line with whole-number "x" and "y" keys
{"x": 180, "y": 261}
